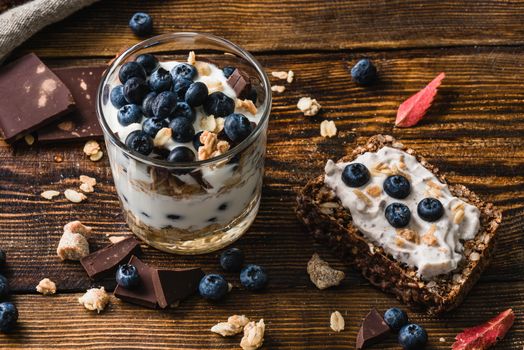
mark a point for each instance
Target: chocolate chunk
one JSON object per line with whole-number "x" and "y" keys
{"x": 31, "y": 95}
{"x": 144, "y": 293}
{"x": 83, "y": 122}
{"x": 239, "y": 82}
{"x": 105, "y": 261}
{"x": 175, "y": 285}
{"x": 372, "y": 330}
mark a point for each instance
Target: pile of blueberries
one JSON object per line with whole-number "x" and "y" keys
{"x": 411, "y": 336}
{"x": 8, "y": 311}
{"x": 397, "y": 186}
{"x": 252, "y": 277}
{"x": 169, "y": 99}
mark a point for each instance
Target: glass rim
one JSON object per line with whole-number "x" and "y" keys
{"x": 164, "y": 38}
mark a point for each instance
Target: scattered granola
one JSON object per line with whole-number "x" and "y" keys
{"x": 248, "y": 105}
{"x": 95, "y": 299}
{"x": 58, "y": 158}
{"x": 162, "y": 137}
{"x": 253, "y": 335}
{"x": 328, "y": 128}
{"x": 429, "y": 237}
{"x": 408, "y": 234}
{"x": 238, "y": 320}
{"x": 91, "y": 148}
{"x": 203, "y": 68}
{"x": 46, "y": 287}
{"x": 191, "y": 58}
{"x": 97, "y": 156}
{"x": 74, "y": 196}
{"x": 322, "y": 275}
{"x": 88, "y": 180}
{"x": 87, "y": 188}
{"x": 77, "y": 227}
{"x": 290, "y": 76}
{"x": 49, "y": 194}
{"x": 309, "y": 106}
{"x": 363, "y": 197}
{"x": 280, "y": 75}
{"x": 234, "y": 325}
{"x": 29, "y": 139}
{"x": 72, "y": 246}
{"x": 336, "y": 321}
{"x": 116, "y": 239}
{"x": 278, "y": 88}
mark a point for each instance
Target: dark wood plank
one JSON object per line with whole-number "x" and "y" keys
{"x": 296, "y": 318}
{"x": 267, "y": 25}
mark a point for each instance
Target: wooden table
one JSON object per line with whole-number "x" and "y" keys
{"x": 474, "y": 131}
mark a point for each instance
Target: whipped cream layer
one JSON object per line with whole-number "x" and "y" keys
{"x": 434, "y": 248}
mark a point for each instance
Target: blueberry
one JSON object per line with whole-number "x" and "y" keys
{"x": 152, "y": 125}
{"x": 135, "y": 89}
{"x": 364, "y": 72}
{"x": 184, "y": 70}
{"x": 117, "y": 96}
{"x": 213, "y": 287}
{"x": 147, "y": 104}
{"x": 398, "y": 215}
{"x": 355, "y": 175}
{"x": 141, "y": 24}
{"x": 3, "y": 258}
{"x": 196, "y": 140}
{"x": 232, "y": 259}
{"x": 412, "y": 337}
{"x": 140, "y": 142}
{"x": 430, "y": 209}
{"x": 183, "y": 110}
{"x": 253, "y": 277}
{"x": 228, "y": 71}
{"x": 148, "y": 61}
{"x": 395, "y": 318}
{"x": 181, "y": 154}
{"x": 219, "y": 105}
{"x": 127, "y": 276}
{"x": 397, "y": 186}
{"x": 237, "y": 127}
{"x": 180, "y": 87}
{"x": 164, "y": 105}
{"x": 183, "y": 130}
{"x": 131, "y": 70}
{"x": 160, "y": 80}
{"x": 8, "y": 316}
{"x": 196, "y": 94}
{"x": 129, "y": 114}
{"x": 4, "y": 287}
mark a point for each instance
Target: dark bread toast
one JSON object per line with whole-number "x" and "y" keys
{"x": 329, "y": 222}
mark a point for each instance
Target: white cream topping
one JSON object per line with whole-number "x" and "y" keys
{"x": 435, "y": 248}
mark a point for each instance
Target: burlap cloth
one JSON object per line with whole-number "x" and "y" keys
{"x": 20, "y": 23}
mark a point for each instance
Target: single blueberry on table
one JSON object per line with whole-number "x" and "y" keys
{"x": 219, "y": 105}
{"x": 8, "y": 316}
{"x": 182, "y": 129}
{"x": 127, "y": 276}
{"x": 164, "y": 105}
{"x": 253, "y": 277}
{"x": 180, "y": 87}
{"x": 140, "y": 142}
{"x": 129, "y": 114}
{"x": 395, "y": 318}
{"x": 412, "y": 337}
{"x": 160, "y": 80}
{"x": 141, "y": 24}
{"x": 4, "y": 287}
{"x": 181, "y": 154}
{"x": 184, "y": 70}
{"x": 398, "y": 215}
{"x": 131, "y": 70}
{"x": 232, "y": 259}
{"x": 213, "y": 287}
{"x": 237, "y": 127}
{"x": 355, "y": 175}
{"x": 196, "y": 140}
{"x": 364, "y": 72}
{"x": 397, "y": 186}
{"x": 152, "y": 125}
{"x": 183, "y": 110}
{"x": 196, "y": 94}
{"x": 147, "y": 104}
{"x": 430, "y": 209}
{"x": 135, "y": 89}
{"x": 117, "y": 96}
{"x": 148, "y": 61}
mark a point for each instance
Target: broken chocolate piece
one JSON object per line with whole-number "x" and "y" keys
{"x": 83, "y": 122}
{"x": 240, "y": 83}
{"x": 144, "y": 293}
{"x": 31, "y": 95}
{"x": 372, "y": 330}
{"x": 175, "y": 285}
{"x": 105, "y": 261}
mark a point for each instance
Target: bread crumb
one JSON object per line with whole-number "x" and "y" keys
{"x": 278, "y": 88}
{"x": 95, "y": 299}
{"x": 322, "y": 275}
{"x": 336, "y": 321}
{"x": 309, "y": 106}
{"x": 253, "y": 335}
{"x": 328, "y": 128}
{"x": 46, "y": 287}
{"x": 49, "y": 194}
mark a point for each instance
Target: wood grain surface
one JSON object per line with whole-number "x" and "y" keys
{"x": 474, "y": 132}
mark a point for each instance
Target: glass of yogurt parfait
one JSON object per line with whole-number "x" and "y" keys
{"x": 185, "y": 118}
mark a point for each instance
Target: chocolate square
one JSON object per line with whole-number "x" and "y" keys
{"x": 372, "y": 330}
{"x": 175, "y": 285}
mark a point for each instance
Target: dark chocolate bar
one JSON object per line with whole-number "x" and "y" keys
{"x": 144, "y": 293}
{"x": 175, "y": 285}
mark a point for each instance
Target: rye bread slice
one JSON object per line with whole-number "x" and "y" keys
{"x": 329, "y": 222}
